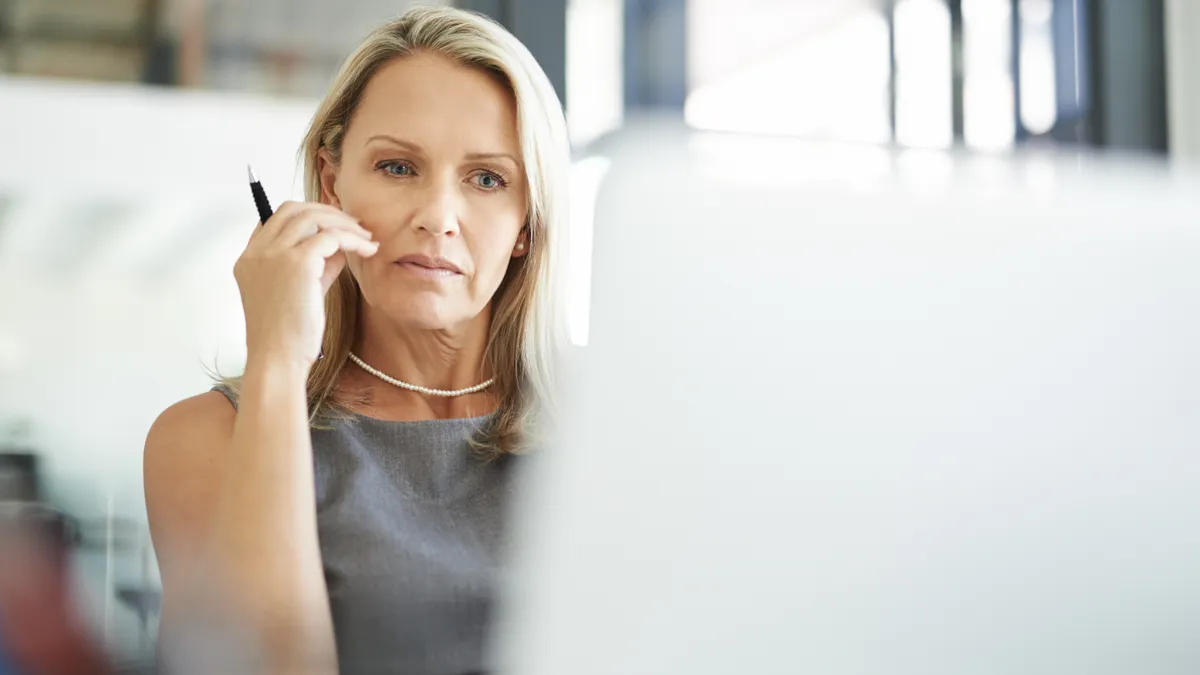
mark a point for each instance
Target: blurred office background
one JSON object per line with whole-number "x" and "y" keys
{"x": 920, "y": 73}
{"x": 126, "y": 124}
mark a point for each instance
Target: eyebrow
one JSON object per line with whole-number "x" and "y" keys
{"x": 416, "y": 148}
{"x": 395, "y": 141}
{"x": 493, "y": 155}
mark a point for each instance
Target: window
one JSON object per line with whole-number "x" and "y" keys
{"x": 815, "y": 69}
{"x": 924, "y": 106}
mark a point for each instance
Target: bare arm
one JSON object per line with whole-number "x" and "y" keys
{"x": 231, "y": 495}
{"x": 265, "y": 534}
{"x": 232, "y": 513}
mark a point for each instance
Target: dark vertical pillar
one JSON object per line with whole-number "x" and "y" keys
{"x": 656, "y": 54}
{"x": 1128, "y": 76}
{"x": 1020, "y": 133}
{"x": 8, "y": 35}
{"x": 1072, "y": 68}
{"x": 541, "y": 25}
{"x": 496, "y": 9}
{"x": 890, "y": 13}
{"x": 957, "y": 68}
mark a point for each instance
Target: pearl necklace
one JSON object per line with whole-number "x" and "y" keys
{"x": 418, "y": 388}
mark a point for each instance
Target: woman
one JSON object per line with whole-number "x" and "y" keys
{"x": 352, "y": 482}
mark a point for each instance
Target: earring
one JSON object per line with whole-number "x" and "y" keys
{"x": 521, "y": 246}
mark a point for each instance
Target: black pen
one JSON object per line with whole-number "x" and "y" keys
{"x": 260, "y": 196}
{"x": 265, "y": 212}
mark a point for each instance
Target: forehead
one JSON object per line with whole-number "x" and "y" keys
{"x": 441, "y": 105}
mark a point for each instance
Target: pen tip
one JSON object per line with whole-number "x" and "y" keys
{"x": 250, "y": 171}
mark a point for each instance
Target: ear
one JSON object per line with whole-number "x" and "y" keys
{"x": 521, "y": 248}
{"x": 327, "y": 171}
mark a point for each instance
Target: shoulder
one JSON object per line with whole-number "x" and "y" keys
{"x": 187, "y": 436}
{"x": 182, "y": 467}
{"x": 191, "y": 423}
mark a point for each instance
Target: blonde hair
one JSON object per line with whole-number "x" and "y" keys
{"x": 527, "y": 328}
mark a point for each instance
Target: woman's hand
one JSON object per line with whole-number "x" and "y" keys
{"x": 283, "y": 275}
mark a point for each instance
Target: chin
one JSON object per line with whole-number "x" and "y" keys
{"x": 426, "y": 314}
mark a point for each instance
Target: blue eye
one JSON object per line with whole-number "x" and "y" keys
{"x": 394, "y": 168}
{"x": 489, "y": 181}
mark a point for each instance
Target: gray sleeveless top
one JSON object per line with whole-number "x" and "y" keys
{"x": 411, "y": 526}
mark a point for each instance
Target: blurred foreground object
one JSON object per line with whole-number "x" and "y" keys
{"x": 855, "y": 411}
{"x": 41, "y": 629}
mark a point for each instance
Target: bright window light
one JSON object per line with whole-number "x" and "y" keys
{"x": 1039, "y": 107}
{"x": 924, "y": 96}
{"x": 832, "y": 84}
{"x": 586, "y": 177}
{"x": 595, "y": 94}
{"x": 989, "y": 118}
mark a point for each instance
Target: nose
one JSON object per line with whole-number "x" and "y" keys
{"x": 438, "y": 209}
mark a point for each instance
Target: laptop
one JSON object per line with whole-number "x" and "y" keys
{"x": 847, "y": 410}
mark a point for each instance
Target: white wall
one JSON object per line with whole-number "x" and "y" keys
{"x": 1183, "y": 77}
{"x": 128, "y": 208}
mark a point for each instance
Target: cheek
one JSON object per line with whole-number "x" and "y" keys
{"x": 354, "y": 264}
{"x": 369, "y": 198}
{"x": 494, "y": 256}
{"x": 376, "y": 210}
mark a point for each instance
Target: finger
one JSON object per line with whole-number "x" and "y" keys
{"x": 308, "y": 223}
{"x": 305, "y": 228}
{"x": 279, "y": 219}
{"x": 328, "y": 242}
{"x": 255, "y": 233}
{"x": 317, "y": 207}
{"x": 289, "y": 211}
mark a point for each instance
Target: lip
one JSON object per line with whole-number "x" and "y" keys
{"x": 429, "y": 265}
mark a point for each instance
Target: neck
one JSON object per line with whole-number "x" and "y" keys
{"x": 447, "y": 359}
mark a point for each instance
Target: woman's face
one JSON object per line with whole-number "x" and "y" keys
{"x": 432, "y": 167}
